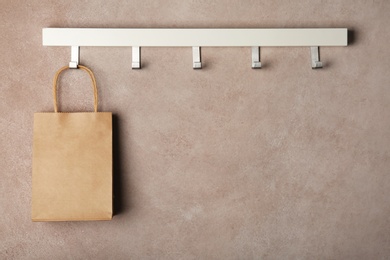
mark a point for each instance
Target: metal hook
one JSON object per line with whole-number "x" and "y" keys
{"x": 136, "y": 57}
{"x": 256, "y": 64}
{"x": 74, "y": 57}
{"x": 196, "y": 58}
{"x": 315, "y": 58}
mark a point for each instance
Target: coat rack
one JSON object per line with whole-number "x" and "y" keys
{"x": 195, "y": 38}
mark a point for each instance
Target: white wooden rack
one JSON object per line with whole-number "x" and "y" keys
{"x": 195, "y": 38}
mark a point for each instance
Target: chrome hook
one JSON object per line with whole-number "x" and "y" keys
{"x": 256, "y": 64}
{"x": 74, "y": 57}
{"x": 196, "y": 58}
{"x": 136, "y": 57}
{"x": 315, "y": 58}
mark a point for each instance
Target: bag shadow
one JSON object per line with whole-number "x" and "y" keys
{"x": 117, "y": 178}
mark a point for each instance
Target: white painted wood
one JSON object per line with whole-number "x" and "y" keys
{"x": 194, "y": 37}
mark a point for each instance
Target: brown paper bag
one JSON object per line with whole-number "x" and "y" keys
{"x": 72, "y": 163}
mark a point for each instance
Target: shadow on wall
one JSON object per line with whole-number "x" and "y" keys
{"x": 118, "y": 198}
{"x": 351, "y": 36}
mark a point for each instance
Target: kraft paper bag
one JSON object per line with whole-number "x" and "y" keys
{"x": 72, "y": 163}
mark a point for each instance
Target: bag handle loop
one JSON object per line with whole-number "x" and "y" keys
{"x": 55, "y": 81}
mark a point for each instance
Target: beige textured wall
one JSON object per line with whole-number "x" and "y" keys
{"x": 222, "y": 163}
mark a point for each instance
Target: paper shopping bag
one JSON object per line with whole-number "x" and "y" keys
{"x": 72, "y": 163}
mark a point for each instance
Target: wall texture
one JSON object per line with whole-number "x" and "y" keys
{"x": 221, "y": 163}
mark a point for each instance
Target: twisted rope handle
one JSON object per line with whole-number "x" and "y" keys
{"x": 92, "y": 76}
